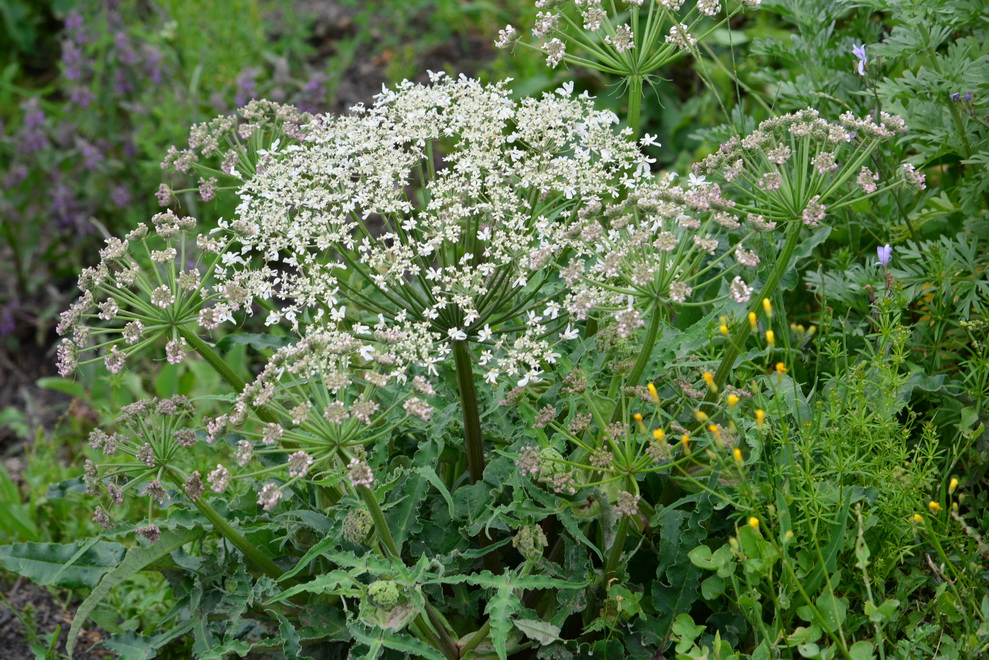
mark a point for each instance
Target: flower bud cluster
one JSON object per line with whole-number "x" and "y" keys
{"x": 146, "y": 287}
{"x": 792, "y": 166}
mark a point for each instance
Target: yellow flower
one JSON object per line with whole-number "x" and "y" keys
{"x": 738, "y": 456}
{"x": 713, "y": 428}
{"x": 788, "y": 536}
{"x": 733, "y": 400}
{"x": 754, "y": 523}
{"x": 653, "y": 393}
{"x": 709, "y": 381}
{"x": 752, "y": 321}
{"x": 917, "y": 518}
{"x": 658, "y": 434}
{"x": 780, "y": 368}
{"x": 685, "y": 441}
{"x": 700, "y": 415}
{"x": 760, "y": 418}
{"x": 934, "y": 506}
{"x": 770, "y": 337}
{"x": 767, "y": 307}
{"x": 952, "y": 486}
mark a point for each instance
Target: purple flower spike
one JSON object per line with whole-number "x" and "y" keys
{"x": 885, "y": 254}
{"x": 859, "y": 52}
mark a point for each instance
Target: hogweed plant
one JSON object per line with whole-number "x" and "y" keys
{"x": 632, "y": 40}
{"x": 500, "y": 355}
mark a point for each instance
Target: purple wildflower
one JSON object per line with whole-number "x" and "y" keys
{"x": 885, "y": 253}
{"x": 859, "y": 52}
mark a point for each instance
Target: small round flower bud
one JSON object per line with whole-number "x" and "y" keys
{"x": 384, "y": 594}
{"x": 754, "y": 523}
{"x": 356, "y": 526}
{"x": 530, "y": 542}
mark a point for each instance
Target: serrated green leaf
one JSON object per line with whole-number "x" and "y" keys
{"x": 131, "y": 646}
{"x": 541, "y": 631}
{"x": 288, "y": 637}
{"x": 411, "y": 646}
{"x": 137, "y": 559}
{"x": 42, "y": 562}
{"x": 323, "y": 583}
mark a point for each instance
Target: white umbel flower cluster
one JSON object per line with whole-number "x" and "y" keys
{"x": 335, "y": 219}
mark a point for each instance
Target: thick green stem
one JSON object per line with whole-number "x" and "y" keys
{"x": 634, "y": 102}
{"x": 768, "y": 289}
{"x": 642, "y": 361}
{"x": 442, "y": 639}
{"x": 250, "y": 550}
{"x": 611, "y": 568}
{"x": 476, "y": 638}
{"x": 214, "y": 360}
{"x": 472, "y": 433}
{"x": 472, "y": 416}
{"x": 223, "y": 369}
{"x": 380, "y": 524}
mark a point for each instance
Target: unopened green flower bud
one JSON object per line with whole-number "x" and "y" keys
{"x": 356, "y": 526}
{"x": 530, "y": 542}
{"x": 551, "y": 463}
{"x": 384, "y": 594}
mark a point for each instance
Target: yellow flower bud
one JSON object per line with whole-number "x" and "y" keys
{"x": 658, "y": 434}
{"x": 752, "y": 321}
{"x": 738, "y": 456}
{"x": 733, "y": 400}
{"x": 770, "y": 337}
{"x": 767, "y": 307}
{"x": 811, "y": 330}
{"x": 788, "y": 536}
{"x": 780, "y": 368}
{"x": 653, "y": 393}
{"x": 700, "y": 415}
{"x": 723, "y": 329}
{"x": 754, "y": 523}
{"x": 917, "y": 518}
{"x": 952, "y": 486}
{"x": 760, "y": 418}
{"x": 934, "y": 506}
{"x": 713, "y": 428}
{"x": 709, "y": 381}
{"x": 685, "y": 441}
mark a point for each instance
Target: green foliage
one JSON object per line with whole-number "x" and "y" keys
{"x": 580, "y": 459}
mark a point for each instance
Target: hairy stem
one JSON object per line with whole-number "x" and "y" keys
{"x": 472, "y": 433}
{"x": 442, "y": 639}
{"x": 222, "y": 368}
{"x": 472, "y": 416}
{"x": 642, "y": 361}
{"x": 634, "y": 102}
{"x": 250, "y": 550}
